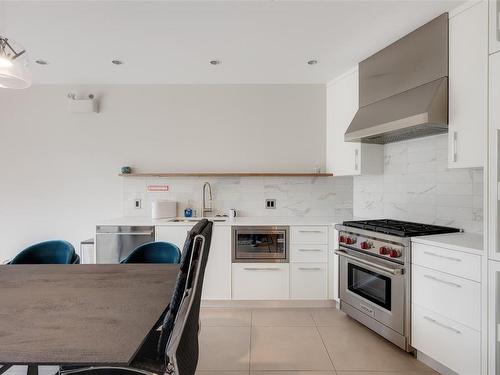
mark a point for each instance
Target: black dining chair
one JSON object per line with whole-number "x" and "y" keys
{"x": 172, "y": 345}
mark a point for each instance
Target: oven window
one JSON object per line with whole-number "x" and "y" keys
{"x": 255, "y": 245}
{"x": 370, "y": 285}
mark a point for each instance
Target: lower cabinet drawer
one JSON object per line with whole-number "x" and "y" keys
{"x": 308, "y": 281}
{"x": 308, "y": 253}
{"x": 452, "y": 344}
{"x": 260, "y": 281}
{"x": 309, "y": 234}
{"x": 454, "y": 297}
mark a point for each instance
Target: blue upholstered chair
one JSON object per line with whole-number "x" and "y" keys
{"x": 154, "y": 252}
{"x": 48, "y": 252}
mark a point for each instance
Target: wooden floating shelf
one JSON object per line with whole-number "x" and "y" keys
{"x": 226, "y": 174}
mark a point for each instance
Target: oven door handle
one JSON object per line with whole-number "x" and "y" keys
{"x": 392, "y": 271}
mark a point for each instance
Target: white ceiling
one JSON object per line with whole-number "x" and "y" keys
{"x": 172, "y": 42}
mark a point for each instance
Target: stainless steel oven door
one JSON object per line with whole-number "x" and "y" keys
{"x": 374, "y": 287}
{"x": 268, "y": 244}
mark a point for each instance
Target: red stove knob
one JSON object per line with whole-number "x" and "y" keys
{"x": 393, "y": 253}
{"x": 383, "y": 250}
{"x": 342, "y": 239}
{"x": 349, "y": 241}
{"x": 364, "y": 245}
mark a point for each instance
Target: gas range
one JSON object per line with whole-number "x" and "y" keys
{"x": 385, "y": 238}
{"x": 375, "y": 274}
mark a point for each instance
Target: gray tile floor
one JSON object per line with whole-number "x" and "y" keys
{"x": 296, "y": 342}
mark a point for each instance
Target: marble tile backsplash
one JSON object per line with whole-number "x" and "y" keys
{"x": 295, "y": 196}
{"x": 418, "y": 186}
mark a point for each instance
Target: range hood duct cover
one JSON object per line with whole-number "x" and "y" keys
{"x": 403, "y": 89}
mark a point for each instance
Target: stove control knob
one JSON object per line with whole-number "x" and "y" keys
{"x": 393, "y": 253}
{"x": 365, "y": 245}
{"x": 350, "y": 240}
{"x": 342, "y": 239}
{"x": 383, "y": 250}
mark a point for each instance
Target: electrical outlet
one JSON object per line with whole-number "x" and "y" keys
{"x": 137, "y": 204}
{"x": 270, "y": 203}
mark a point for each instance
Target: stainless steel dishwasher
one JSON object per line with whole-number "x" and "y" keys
{"x": 115, "y": 243}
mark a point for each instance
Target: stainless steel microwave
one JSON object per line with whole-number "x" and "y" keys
{"x": 265, "y": 244}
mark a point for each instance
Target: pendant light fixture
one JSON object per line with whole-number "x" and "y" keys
{"x": 14, "y": 70}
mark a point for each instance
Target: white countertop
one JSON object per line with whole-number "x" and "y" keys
{"x": 146, "y": 221}
{"x": 466, "y": 242}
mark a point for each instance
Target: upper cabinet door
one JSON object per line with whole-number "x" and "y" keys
{"x": 347, "y": 158}
{"x": 468, "y": 87}
{"x": 494, "y": 26}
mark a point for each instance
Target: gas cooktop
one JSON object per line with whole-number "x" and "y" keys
{"x": 399, "y": 228}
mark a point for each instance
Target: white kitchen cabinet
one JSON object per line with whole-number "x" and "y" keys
{"x": 446, "y": 295}
{"x": 260, "y": 281}
{"x": 447, "y": 303}
{"x": 217, "y": 282}
{"x": 333, "y": 265}
{"x": 308, "y": 253}
{"x": 452, "y": 344}
{"x": 309, "y": 235}
{"x": 308, "y": 280}
{"x": 494, "y": 317}
{"x": 468, "y": 86}
{"x": 348, "y": 158}
{"x": 494, "y": 26}
{"x": 456, "y": 263}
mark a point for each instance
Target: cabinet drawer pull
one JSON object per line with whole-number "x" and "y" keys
{"x": 356, "y": 159}
{"x": 455, "y": 135}
{"x": 309, "y": 249}
{"x": 310, "y": 268}
{"x": 261, "y": 269}
{"x": 442, "y": 325}
{"x": 443, "y": 281}
{"x": 310, "y": 231}
{"x": 442, "y": 256}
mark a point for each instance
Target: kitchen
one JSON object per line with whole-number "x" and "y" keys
{"x": 287, "y": 163}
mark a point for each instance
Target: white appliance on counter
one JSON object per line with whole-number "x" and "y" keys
{"x": 163, "y": 209}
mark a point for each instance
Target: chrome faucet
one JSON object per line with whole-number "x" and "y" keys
{"x": 204, "y": 208}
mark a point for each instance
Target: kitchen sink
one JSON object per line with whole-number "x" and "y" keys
{"x": 194, "y": 220}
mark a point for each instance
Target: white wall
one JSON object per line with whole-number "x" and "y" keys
{"x": 59, "y": 171}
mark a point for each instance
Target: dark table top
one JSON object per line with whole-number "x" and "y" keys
{"x": 80, "y": 314}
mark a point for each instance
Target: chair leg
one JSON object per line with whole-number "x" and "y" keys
{"x": 4, "y": 368}
{"x": 32, "y": 370}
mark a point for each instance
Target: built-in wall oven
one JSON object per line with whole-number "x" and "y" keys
{"x": 266, "y": 244}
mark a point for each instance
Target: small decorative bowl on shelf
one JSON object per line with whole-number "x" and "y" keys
{"x": 126, "y": 170}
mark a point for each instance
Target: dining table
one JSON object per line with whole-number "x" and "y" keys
{"x": 83, "y": 315}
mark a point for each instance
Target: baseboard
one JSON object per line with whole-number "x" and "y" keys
{"x": 435, "y": 365}
{"x": 270, "y": 303}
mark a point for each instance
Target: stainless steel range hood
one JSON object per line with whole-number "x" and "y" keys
{"x": 403, "y": 89}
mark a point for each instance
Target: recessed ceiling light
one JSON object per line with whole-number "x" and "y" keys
{"x": 41, "y": 62}
{"x": 117, "y": 62}
{"x": 215, "y": 62}
{"x": 312, "y": 62}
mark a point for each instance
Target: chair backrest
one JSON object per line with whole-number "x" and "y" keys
{"x": 154, "y": 252}
{"x": 48, "y": 252}
{"x": 182, "y": 349}
{"x": 180, "y": 286}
